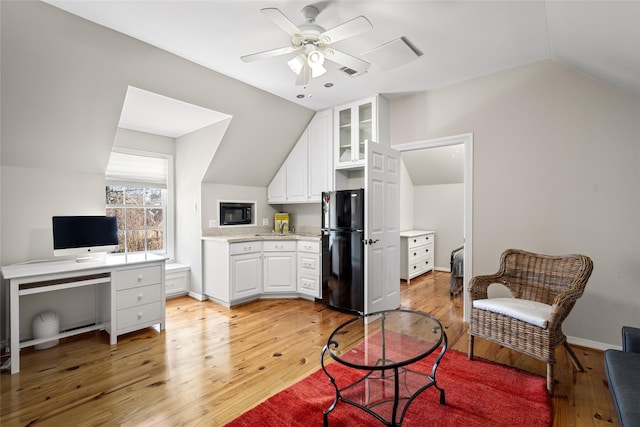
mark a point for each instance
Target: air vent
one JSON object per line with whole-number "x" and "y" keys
{"x": 351, "y": 72}
{"x": 393, "y": 54}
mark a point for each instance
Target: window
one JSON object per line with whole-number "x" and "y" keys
{"x": 138, "y": 193}
{"x": 141, "y": 217}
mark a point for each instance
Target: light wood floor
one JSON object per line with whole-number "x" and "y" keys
{"x": 213, "y": 363}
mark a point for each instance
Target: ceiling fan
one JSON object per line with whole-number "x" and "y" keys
{"x": 312, "y": 42}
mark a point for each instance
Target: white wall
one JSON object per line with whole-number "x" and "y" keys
{"x": 556, "y": 171}
{"x": 193, "y": 154}
{"x": 303, "y": 215}
{"x": 212, "y": 193}
{"x": 406, "y": 199}
{"x": 441, "y": 208}
{"x": 30, "y": 197}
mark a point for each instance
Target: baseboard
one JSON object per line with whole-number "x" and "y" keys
{"x": 445, "y": 269}
{"x": 592, "y": 344}
{"x": 196, "y": 296}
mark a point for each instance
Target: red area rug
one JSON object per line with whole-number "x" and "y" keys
{"x": 478, "y": 393}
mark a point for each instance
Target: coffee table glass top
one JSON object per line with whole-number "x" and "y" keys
{"x": 385, "y": 339}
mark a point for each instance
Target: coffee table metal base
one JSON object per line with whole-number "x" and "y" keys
{"x": 385, "y": 394}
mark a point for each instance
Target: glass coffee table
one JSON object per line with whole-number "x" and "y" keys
{"x": 383, "y": 346}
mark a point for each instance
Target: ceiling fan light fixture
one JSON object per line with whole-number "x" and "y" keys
{"x": 297, "y": 63}
{"x": 315, "y": 60}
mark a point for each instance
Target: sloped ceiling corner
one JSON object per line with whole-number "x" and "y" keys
{"x": 64, "y": 82}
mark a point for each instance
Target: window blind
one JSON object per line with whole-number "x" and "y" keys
{"x": 135, "y": 168}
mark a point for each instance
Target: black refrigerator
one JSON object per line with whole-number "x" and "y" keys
{"x": 343, "y": 250}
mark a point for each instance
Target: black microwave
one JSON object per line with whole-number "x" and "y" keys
{"x": 236, "y": 213}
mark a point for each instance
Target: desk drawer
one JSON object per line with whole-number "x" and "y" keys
{"x": 137, "y": 277}
{"x": 139, "y": 315}
{"x": 138, "y": 296}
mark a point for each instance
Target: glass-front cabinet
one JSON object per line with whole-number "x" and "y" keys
{"x": 357, "y": 124}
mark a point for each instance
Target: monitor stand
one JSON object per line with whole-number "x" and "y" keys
{"x": 92, "y": 258}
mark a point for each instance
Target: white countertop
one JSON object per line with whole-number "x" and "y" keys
{"x": 261, "y": 236}
{"x": 414, "y": 233}
{"x": 58, "y": 265}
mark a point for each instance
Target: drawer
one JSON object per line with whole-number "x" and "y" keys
{"x": 176, "y": 282}
{"x": 309, "y": 263}
{"x": 137, "y": 277}
{"x": 245, "y": 247}
{"x": 420, "y": 252}
{"x": 279, "y": 246}
{"x": 420, "y": 240}
{"x": 308, "y": 285}
{"x": 142, "y": 314}
{"x": 421, "y": 266}
{"x": 311, "y": 246}
{"x": 138, "y": 296}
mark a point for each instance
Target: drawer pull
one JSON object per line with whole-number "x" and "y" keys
{"x": 139, "y": 278}
{"x": 415, "y": 266}
{"x": 415, "y": 253}
{"x": 140, "y": 315}
{"x": 139, "y": 297}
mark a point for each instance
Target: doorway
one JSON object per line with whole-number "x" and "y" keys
{"x": 466, "y": 140}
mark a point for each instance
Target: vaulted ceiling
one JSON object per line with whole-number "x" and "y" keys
{"x": 457, "y": 40}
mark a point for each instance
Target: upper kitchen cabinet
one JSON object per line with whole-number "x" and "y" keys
{"x": 308, "y": 169}
{"x": 356, "y": 124}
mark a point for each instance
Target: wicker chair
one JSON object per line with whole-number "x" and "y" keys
{"x": 544, "y": 289}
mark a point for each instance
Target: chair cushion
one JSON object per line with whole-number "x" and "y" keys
{"x": 533, "y": 312}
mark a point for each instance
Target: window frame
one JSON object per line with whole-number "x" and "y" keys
{"x": 169, "y": 208}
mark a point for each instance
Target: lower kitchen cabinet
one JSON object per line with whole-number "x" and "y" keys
{"x": 242, "y": 271}
{"x": 279, "y": 264}
{"x": 309, "y": 268}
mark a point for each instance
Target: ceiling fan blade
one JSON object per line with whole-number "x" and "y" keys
{"x": 268, "y": 54}
{"x": 281, "y": 20}
{"x": 350, "y": 28}
{"x": 346, "y": 60}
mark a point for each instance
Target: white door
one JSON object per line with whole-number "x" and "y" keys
{"x": 382, "y": 229}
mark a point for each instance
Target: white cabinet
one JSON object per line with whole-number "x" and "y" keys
{"x": 139, "y": 298}
{"x": 176, "y": 280}
{"x": 232, "y": 272}
{"x": 242, "y": 271}
{"x": 309, "y": 268}
{"x": 308, "y": 169}
{"x": 356, "y": 124}
{"x": 277, "y": 190}
{"x": 246, "y": 269}
{"x": 416, "y": 256}
{"x": 296, "y": 165}
{"x": 279, "y": 264}
{"x": 320, "y": 156}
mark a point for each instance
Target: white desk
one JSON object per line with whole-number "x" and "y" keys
{"x": 130, "y": 289}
